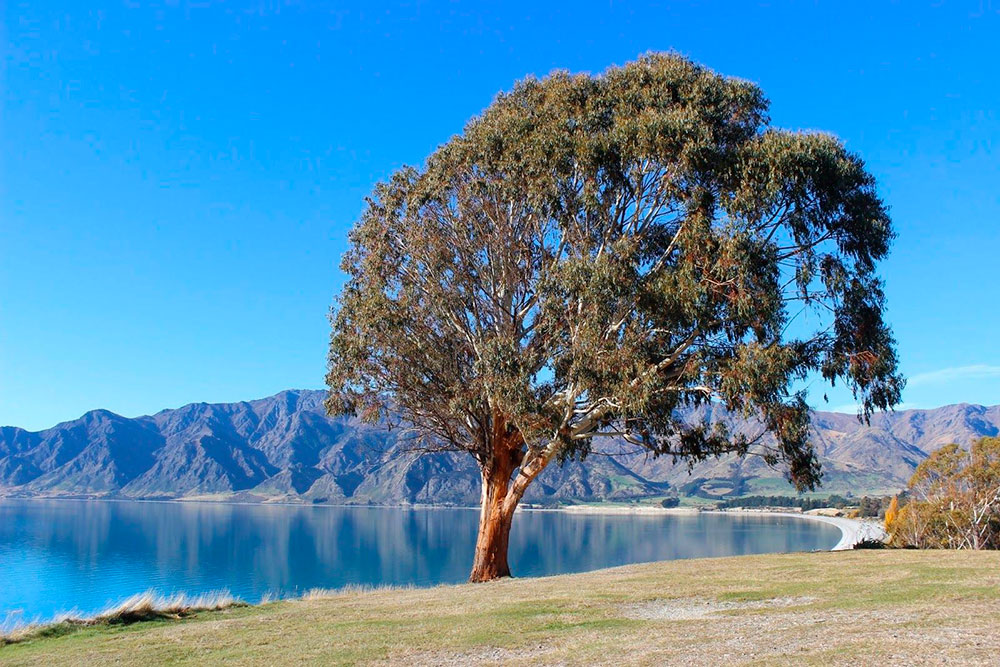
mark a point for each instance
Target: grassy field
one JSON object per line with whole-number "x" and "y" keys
{"x": 854, "y": 607}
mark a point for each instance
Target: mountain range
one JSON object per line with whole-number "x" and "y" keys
{"x": 284, "y": 448}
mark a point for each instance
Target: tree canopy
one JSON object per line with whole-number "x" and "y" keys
{"x": 593, "y": 253}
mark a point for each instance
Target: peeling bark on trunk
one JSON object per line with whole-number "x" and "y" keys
{"x": 499, "y": 501}
{"x": 500, "y": 497}
{"x": 494, "y": 533}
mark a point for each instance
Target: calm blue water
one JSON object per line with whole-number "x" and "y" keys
{"x": 85, "y": 555}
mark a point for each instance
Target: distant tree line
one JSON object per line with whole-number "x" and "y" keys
{"x": 868, "y": 506}
{"x": 954, "y": 500}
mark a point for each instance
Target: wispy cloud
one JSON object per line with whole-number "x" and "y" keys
{"x": 955, "y": 374}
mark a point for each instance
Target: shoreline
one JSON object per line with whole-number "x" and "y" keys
{"x": 852, "y": 531}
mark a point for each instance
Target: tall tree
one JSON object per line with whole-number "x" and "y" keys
{"x": 593, "y": 253}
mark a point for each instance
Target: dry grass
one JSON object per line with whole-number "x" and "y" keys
{"x": 867, "y": 607}
{"x": 350, "y": 589}
{"x": 143, "y": 607}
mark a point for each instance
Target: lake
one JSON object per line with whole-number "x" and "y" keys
{"x": 61, "y": 555}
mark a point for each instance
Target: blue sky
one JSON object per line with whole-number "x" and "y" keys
{"x": 177, "y": 178}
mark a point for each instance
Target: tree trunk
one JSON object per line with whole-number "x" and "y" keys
{"x": 500, "y": 499}
{"x": 495, "y": 519}
{"x": 491, "y": 546}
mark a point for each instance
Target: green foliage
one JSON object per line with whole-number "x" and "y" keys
{"x": 868, "y": 506}
{"x": 593, "y": 253}
{"x": 670, "y": 502}
{"x": 875, "y": 506}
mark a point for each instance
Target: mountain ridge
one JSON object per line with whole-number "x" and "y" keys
{"x": 284, "y": 448}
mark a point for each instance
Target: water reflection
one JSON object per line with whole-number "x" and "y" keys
{"x": 61, "y": 555}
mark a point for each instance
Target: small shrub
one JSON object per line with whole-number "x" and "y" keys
{"x": 670, "y": 502}
{"x": 869, "y": 543}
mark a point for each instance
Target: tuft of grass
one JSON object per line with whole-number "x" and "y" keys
{"x": 148, "y": 606}
{"x": 349, "y": 589}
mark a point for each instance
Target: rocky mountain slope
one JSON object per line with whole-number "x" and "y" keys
{"x": 285, "y": 448}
